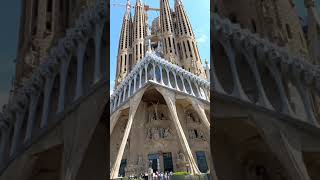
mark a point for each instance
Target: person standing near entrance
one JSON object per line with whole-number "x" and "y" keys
{"x": 150, "y": 172}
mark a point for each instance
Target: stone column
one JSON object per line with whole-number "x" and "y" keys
{"x": 140, "y": 78}
{"x": 80, "y": 58}
{"x": 124, "y": 94}
{"x": 134, "y": 103}
{"x": 17, "y": 131}
{"x": 146, "y": 73}
{"x": 154, "y": 73}
{"x": 114, "y": 119}
{"x": 170, "y": 100}
{"x": 161, "y": 78}
{"x": 47, "y": 95}
{"x": 198, "y": 106}
{"x": 169, "y": 83}
{"x": 62, "y": 92}
{"x": 134, "y": 83}
{"x": 176, "y": 81}
{"x": 288, "y": 153}
{"x": 32, "y": 112}
{"x": 192, "y": 93}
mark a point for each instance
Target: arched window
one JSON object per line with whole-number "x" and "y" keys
{"x": 170, "y": 45}
{"x": 185, "y": 50}
{"x": 189, "y": 48}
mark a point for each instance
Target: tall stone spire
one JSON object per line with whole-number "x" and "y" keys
{"x": 138, "y": 32}
{"x": 124, "y": 53}
{"x": 313, "y": 31}
{"x": 189, "y": 57}
{"x": 167, "y": 33}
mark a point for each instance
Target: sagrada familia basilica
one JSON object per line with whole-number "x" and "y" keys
{"x": 160, "y": 107}
{"x": 264, "y": 85}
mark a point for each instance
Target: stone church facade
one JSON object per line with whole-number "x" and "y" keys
{"x": 160, "y": 106}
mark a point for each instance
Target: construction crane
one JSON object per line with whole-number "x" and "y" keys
{"x": 146, "y": 7}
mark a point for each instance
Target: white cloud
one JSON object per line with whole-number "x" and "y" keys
{"x": 202, "y": 38}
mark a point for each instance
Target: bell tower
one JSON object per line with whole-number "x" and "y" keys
{"x": 190, "y": 57}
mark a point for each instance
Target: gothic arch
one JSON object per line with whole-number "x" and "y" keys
{"x": 222, "y": 67}
{"x": 246, "y": 77}
{"x": 270, "y": 86}
{"x": 245, "y": 152}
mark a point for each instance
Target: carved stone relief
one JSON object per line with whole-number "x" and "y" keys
{"x": 159, "y": 133}
{"x": 196, "y": 134}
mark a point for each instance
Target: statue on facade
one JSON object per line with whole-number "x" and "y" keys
{"x": 155, "y": 133}
{"x": 181, "y": 157}
{"x": 201, "y": 136}
{"x": 192, "y": 134}
{"x": 167, "y": 133}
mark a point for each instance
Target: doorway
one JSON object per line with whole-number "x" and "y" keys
{"x": 167, "y": 162}
{"x": 154, "y": 162}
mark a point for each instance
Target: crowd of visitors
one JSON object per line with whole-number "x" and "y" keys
{"x": 154, "y": 176}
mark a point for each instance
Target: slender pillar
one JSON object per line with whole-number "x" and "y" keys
{"x": 140, "y": 74}
{"x": 190, "y": 87}
{"x": 161, "y": 77}
{"x": 32, "y": 111}
{"x": 170, "y": 100}
{"x": 183, "y": 86}
{"x": 134, "y": 83}
{"x": 169, "y": 83}
{"x": 154, "y": 73}
{"x": 134, "y": 103}
{"x": 198, "y": 106}
{"x": 197, "y": 86}
{"x": 175, "y": 79}
{"x": 16, "y": 133}
{"x": 80, "y": 58}
{"x": 124, "y": 94}
{"x": 63, "y": 81}
{"x": 129, "y": 92}
{"x": 47, "y": 94}
{"x": 146, "y": 73}
{"x": 119, "y": 100}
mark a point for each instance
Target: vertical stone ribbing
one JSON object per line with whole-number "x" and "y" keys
{"x": 124, "y": 47}
{"x": 167, "y": 33}
{"x": 190, "y": 58}
{"x": 138, "y": 32}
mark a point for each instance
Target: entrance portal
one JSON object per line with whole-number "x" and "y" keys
{"x": 154, "y": 162}
{"x": 202, "y": 162}
{"x": 167, "y": 162}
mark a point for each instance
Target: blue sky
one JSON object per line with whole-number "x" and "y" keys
{"x": 9, "y": 20}
{"x": 199, "y": 16}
